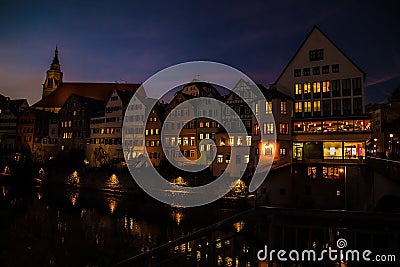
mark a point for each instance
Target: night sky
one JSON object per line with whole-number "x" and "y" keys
{"x": 105, "y": 41}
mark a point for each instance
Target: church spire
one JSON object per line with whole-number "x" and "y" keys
{"x": 55, "y": 65}
{"x": 53, "y": 76}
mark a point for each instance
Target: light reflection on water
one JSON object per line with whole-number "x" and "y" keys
{"x": 58, "y": 223}
{"x": 73, "y": 179}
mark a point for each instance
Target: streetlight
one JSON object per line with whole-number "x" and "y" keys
{"x": 391, "y": 142}
{"x": 375, "y": 146}
{"x": 345, "y": 185}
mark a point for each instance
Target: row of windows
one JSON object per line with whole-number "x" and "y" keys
{"x": 105, "y": 120}
{"x": 152, "y": 143}
{"x": 8, "y": 128}
{"x": 344, "y": 87}
{"x": 135, "y": 107}
{"x": 50, "y": 141}
{"x": 268, "y": 128}
{"x": 240, "y": 141}
{"x": 105, "y": 141}
{"x": 74, "y": 123}
{"x": 332, "y": 126}
{"x": 69, "y": 113}
{"x": 153, "y": 119}
{"x": 112, "y": 109}
{"x": 172, "y": 141}
{"x": 152, "y": 131}
{"x": 134, "y": 118}
{"x": 114, "y": 98}
{"x": 109, "y": 130}
{"x": 8, "y": 136}
{"x": 26, "y": 121}
{"x": 179, "y": 113}
{"x": 246, "y": 159}
{"x": 317, "y": 70}
{"x": 206, "y": 136}
{"x": 8, "y": 120}
{"x": 26, "y": 130}
{"x": 329, "y": 107}
{"x": 154, "y": 155}
{"x": 76, "y": 134}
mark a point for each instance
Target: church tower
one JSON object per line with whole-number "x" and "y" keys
{"x": 53, "y": 76}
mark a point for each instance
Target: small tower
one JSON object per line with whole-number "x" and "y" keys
{"x": 53, "y": 76}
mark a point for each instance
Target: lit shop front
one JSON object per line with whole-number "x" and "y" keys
{"x": 330, "y": 150}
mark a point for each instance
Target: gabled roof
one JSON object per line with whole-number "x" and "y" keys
{"x": 98, "y": 91}
{"x": 316, "y": 28}
{"x": 205, "y": 89}
{"x": 272, "y": 93}
{"x": 125, "y": 96}
{"x": 94, "y": 106}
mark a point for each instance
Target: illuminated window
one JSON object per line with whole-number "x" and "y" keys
{"x": 248, "y": 140}
{"x": 326, "y": 86}
{"x": 267, "y": 150}
{"x": 256, "y": 129}
{"x": 284, "y": 128}
{"x": 268, "y": 128}
{"x": 268, "y": 107}
{"x": 192, "y": 153}
{"x": 316, "y": 87}
{"x": 297, "y": 89}
{"x": 185, "y": 141}
{"x": 312, "y": 172}
{"x": 179, "y": 141}
{"x": 220, "y": 158}
{"x": 282, "y": 151}
{"x": 231, "y": 140}
{"x": 227, "y": 159}
{"x": 283, "y": 107}
{"x": 256, "y": 108}
{"x": 307, "y": 88}
{"x": 307, "y": 106}
{"x": 246, "y": 159}
{"x": 298, "y": 107}
{"x": 317, "y": 106}
{"x": 331, "y": 172}
{"x": 239, "y": 141}
{"x": 192, "y": 141}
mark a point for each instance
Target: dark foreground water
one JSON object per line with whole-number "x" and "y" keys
{"x": 64, "y": 225}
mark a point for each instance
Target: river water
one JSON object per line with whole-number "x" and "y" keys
{"x": 67, "y": 225}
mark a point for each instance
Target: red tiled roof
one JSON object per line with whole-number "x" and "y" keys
{"x": 98, "y": 91}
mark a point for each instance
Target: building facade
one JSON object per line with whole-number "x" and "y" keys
{"x": 9, "y": 113}
{"x": 328, "y": 90}
{"x": 105, "y": 143}
{"x": 74, "y": 119}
